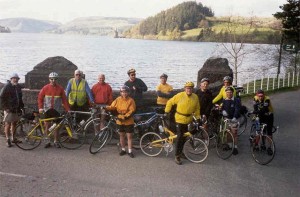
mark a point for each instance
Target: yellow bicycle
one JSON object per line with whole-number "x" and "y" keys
{"x": 152, "y": 144}
{"x": 30, "y": 133}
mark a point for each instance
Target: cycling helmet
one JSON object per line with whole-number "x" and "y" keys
{"x": 204, "y": 79}
{"x": 124, "y": 88}
{"x": 164, "y": 75}
{"x": 260, "y": 91}
{"x": 132, "y": 70}
{"x": 229, "y": 88}
{"x": 53, "y": 75}
{"x": 14, "y": 75}
{"x": 227, "y": 78}
{"x": 189, "y": 84}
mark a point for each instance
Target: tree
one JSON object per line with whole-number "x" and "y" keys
{"x": 237, "y": 32}
{"x": 290, "y": 17}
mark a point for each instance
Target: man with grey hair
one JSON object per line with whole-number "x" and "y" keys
{"x": 11, "y": 103}
{"x": 79, "y": 93}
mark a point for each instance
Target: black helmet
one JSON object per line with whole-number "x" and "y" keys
{"x": 260, "y": 91}
{"x": 229, "y": 88}
{"x": 164, "y": 75}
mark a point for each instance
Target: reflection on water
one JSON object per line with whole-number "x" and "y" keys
{"x": 113, "y": 57}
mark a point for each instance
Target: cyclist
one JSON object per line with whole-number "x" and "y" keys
{"x": 164, "y": 91}
{"x": 50, "y": 101}
{"x": 136, "y": 88}
{"x": 263, "y": 108}
{"x": 78, "y": 92}
{"x": 187, "y": 104}
{"x": 102, "y": 92}
{"x": 11, "y": 103}
{"x": 205, "y": 98}
{"x": 125, "y": 107}
{"x": 231, "y": 105}
{"x": 227, "y": 81}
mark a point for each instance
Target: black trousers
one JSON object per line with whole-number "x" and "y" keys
{"x": 180, "y": 130}
{"x": 269, "y": 120}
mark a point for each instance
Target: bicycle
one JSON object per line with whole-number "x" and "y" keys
{"x": 261, "y": 145}
{"x": 152, "y": 144}
{"x": 110, "y": 130}
{"x": 199, "y": 130}
{"x": 31, "y": 132}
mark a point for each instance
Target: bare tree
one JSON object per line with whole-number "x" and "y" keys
{"x": 237, "y": 32}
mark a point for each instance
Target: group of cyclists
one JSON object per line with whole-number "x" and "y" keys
{"x": 53, "y": 99}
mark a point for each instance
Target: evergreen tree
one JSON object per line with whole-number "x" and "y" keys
{"x": 290, "y": 17}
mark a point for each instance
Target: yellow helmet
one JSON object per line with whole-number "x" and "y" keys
{"x": 189, "y": 84}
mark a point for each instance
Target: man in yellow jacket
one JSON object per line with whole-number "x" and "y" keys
{"x": 222, "y": 94}
{"x": 187, "y": 105}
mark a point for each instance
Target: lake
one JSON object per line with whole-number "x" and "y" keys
{"x": 113, "y": 57}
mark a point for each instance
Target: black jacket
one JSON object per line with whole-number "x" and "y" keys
{"x": 205, "y": 99}
{"x": 11, "y": 97}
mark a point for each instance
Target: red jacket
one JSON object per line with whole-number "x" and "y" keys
{"x": 102, "y": 93}
{"x": 53, "y": 97}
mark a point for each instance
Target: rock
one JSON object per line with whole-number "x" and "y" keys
{"x": 215, "y": 69}
{"x": 38, "y": 77}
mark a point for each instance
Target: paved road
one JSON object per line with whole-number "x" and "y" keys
{"x": 60, "y": 172}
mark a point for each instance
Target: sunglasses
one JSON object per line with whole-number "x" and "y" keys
{"x": 78, "y": 74}
{"x": 53, "y": 79}
{"x": 132, "y": 74}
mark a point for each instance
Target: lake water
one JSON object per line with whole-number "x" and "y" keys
{"x": 113, "y": 57}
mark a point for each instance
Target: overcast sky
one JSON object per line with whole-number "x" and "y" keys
{"x": 67, "y": 10}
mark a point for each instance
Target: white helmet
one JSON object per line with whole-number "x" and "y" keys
{"x": 14, "y": 75}
{"x": 53, "y": 75}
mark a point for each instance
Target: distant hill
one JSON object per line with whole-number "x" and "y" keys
{"x": 96, "y": 25}
{"x": 28, "y": 25}
{"x": 191, "y": 21}
{"x": 184, "y": 16}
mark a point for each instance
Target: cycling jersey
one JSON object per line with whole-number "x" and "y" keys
{"x": 163, "y": 93}
{"x": 186, "y": 107}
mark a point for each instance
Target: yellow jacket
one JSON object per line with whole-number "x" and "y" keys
{"x": 125, "y": 108}
{"x": 186, "y": 107}
{"x": 222, "y": 95}
{"x": 77, "y": 93}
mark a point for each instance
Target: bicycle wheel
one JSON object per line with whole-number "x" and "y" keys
{"x": 29, "y": 137}
{"x": 71, "y": 139}
{"x": 224, "y": 144}
{"x": 148, "y": 145}
{"x": 263, "y": 150}
{"x": 243, "y": 124}
{"x": 92, "y": 128}
{"x": 195, "y": 150}
{"x": 99, "y": 141}
{"x": 202, "y": 135}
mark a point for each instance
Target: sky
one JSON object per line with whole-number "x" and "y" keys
{"x": 67, "y": 10}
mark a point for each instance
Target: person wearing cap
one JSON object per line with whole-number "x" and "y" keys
{"x": 231, "y": 105}
{"x": 164, "y": 91}
{"x": 78, "y": 92}
{"x": 102, "y": 93}
{"x": 12, "y": 104}
{"x": 125, "y": 107}
{"x": 187, "y": 105}
{"x": 51, "y": 100}
{"x": 263, "y": 108}
{"x": 227, "y": 81}
{"x": 205, "y": 97}
{"x": 136, "y": 88}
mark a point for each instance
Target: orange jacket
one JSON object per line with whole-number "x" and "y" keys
{"x": 125, "y": 108}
